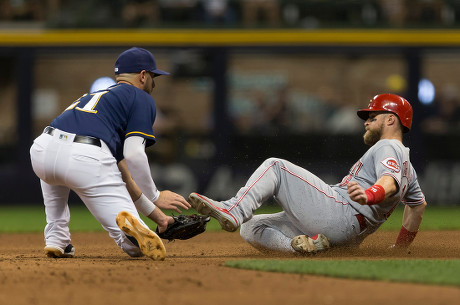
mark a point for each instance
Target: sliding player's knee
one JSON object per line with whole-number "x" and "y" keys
{"x": 250, "y": 231}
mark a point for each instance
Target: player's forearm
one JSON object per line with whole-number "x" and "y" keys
{"x": 412, "y": 219}
{"x": 159, "y": 218}
{"x": 131, "y": 186}
{"x": 382, "y": 189}
{"x": 142, "y": 203}
{"x": 141, "y": 175}
{"x": 389, "y": 184}
{"x": 138, "y": 166}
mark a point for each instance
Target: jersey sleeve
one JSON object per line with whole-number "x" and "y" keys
{"x": 414, "y": 195}
{"x": 141, "y": 118}
{"x": 388, "y": 162}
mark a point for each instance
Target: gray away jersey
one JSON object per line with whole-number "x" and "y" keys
{"x": 390, "y": 158}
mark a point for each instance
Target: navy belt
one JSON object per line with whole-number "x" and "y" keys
{"x": 78, "y": 139}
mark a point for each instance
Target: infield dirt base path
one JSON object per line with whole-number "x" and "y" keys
{"x": 193, "y": 273}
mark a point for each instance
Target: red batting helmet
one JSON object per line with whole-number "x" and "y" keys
{"x": 392, "y": 103}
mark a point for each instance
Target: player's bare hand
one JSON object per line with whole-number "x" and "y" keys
{"x": 397, "y": 250}
{"x": 356, "y": 193}
{"x": 171, "y": 201}
{"x": 161, "y": 219}
{"x": 164, "y": 224}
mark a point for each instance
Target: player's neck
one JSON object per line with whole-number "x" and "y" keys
{"x": 125, "y": 82}
{"x": 392, "y": 136}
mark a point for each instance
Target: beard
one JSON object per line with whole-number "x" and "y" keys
{"x": 372, "y": 136}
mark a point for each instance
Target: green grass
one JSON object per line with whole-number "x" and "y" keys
{"x": 31, "y": 218}
{"x": 435, "y": 272}
{"x": 434, "y": 218}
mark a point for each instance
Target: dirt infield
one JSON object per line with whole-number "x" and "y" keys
{"x": 193, "y": 273}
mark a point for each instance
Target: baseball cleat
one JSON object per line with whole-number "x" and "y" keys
{"x": 58, "y": 252}
{"x": 215, "y": 209}
{"x": 149, "y": 242}
{"x": 305, "y": 244}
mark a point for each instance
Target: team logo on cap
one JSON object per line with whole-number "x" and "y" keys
{"x": 392, "y": 164}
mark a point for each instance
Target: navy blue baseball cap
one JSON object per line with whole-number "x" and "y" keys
{"x": 135, "y": 60}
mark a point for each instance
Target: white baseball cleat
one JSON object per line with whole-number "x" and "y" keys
{"x": 305, "y": 244}
{"x": 58, "y": 252}
{"x": 149, "y": 242}
{"x": 215, "y": 209}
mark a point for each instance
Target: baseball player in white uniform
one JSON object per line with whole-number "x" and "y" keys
{"x": 96, "y": 148}
{"x": 316, "y": 215}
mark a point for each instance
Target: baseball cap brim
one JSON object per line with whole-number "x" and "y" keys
{"x": 364, "y": 113}
{"x": 160, "y": 72}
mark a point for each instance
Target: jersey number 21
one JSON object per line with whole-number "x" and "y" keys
{"x": 90, "y": 104}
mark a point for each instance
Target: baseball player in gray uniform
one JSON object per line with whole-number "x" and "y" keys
{"x": 316, "y": 215}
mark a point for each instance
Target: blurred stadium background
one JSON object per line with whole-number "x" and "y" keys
{"x": 251, "y": 79}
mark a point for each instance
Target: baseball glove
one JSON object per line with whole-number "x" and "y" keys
{"x": 185, "y": 227}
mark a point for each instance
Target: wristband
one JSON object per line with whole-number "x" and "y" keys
{"x": 375, "y": 194}
{"x": 144, "y": 205}
{"x": 405, "y": 237}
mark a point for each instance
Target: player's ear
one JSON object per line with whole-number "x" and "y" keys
{"x": 392, "y": 119}
{"x": 142, "y": 75}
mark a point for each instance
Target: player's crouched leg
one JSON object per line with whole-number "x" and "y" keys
{"x": 127, "y": 244}
{"x": 129, "y": 247}
{"x": 250, "y": 232}
{"x": 269, "y": 233}
{"x": 141, "y": 236}
{"x": 305, "y": 244}
{"x": 277, "y": 162}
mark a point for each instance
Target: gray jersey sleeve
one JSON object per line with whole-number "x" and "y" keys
{"x": 414, "y": 195}
{"x": 388, "y": 160}
{"x": 385, "y": 158}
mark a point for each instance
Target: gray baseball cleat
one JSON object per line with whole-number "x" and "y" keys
{"x": 148, "y": 241}
{"x": 215, "y": 209}
{"x": 306, "y": 245}
{"x": 58, "y": 252}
